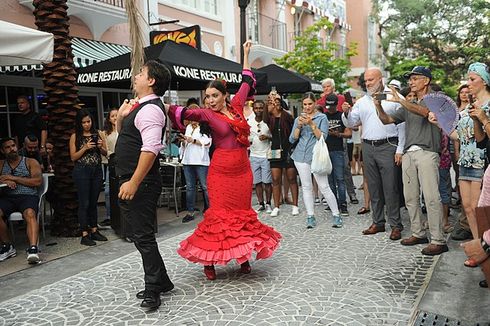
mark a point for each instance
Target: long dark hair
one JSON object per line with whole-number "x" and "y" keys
{"x": 285, "y": 121}
{"x": 108, "y": 127}
{"x": 82, "y": 113}
{"x": 458, "y": 98}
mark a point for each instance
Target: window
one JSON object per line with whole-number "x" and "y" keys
{"x": 207, "y": 6}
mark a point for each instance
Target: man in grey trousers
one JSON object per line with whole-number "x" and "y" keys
{"x": 382, "y": 148}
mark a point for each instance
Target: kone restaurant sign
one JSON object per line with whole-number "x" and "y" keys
{"x": 179, "y": 71}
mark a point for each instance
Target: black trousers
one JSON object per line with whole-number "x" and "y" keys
{"x": 140, "y": 216}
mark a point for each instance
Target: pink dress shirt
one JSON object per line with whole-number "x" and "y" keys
{"x": 150, "y": 121}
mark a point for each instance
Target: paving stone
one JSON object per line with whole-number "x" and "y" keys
{"x": 322, "y": 276}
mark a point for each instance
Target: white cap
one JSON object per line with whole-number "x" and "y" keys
{"x": 395, "y": 83}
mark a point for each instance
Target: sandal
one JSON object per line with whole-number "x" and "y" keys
{"x": 470, "y": 262}
{"x": 363, "y": 210}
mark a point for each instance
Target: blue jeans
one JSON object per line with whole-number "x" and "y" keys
{"x": 107, "y": 200}
{"x": 336, "y": 178}
{"x": 192, "y": 173}
{"x": 88, "y": 181}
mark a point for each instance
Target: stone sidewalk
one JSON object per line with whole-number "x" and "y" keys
{"x": 323, "y": 276}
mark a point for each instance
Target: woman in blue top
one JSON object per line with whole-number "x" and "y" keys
{"x": 307, "y": 129}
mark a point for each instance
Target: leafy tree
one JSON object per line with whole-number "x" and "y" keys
{"x": 315, "y": 58}
{"x": 447, "y": 35}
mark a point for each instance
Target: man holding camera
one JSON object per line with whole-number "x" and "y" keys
{"x": 382, "y": 148}
{"x": 420, "y": 162}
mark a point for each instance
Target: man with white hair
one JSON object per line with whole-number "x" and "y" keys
{"x": 382, "y": 150}
{"x": 328, "y": 85}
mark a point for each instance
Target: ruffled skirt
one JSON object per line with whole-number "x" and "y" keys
{"x": 230, "y": 228}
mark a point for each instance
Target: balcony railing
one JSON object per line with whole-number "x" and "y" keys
{"x": 115, "y": 3}
{"x": 267, "y": 31}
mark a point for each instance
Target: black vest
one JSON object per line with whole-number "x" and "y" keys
{"x": 129, "y": 143}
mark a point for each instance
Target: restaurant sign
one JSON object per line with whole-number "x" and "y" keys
{"x": 104, "y": 76}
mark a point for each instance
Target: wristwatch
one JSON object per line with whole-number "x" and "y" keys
{"x": 485, "y": 246}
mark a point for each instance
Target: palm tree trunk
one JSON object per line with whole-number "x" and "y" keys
{"x": 59, "y": 79}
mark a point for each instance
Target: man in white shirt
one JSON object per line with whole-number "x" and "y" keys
{"x": 382, "y": 149}
{"x": 260, "y": 143}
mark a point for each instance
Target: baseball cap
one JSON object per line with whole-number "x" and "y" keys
{"x": 419, "y": 70}
{"x": 331, "y": 100}
{"x": 395, "y": 83}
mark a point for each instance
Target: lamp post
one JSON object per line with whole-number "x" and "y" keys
{"x": 243, "y": 33}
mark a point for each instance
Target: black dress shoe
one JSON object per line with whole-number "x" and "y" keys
{"x": 483, "y": 284}
{"x": 141, "y": 294}
{"x": 151, "y": 300}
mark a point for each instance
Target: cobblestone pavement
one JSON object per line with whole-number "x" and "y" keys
{"x": 322, "y": 276}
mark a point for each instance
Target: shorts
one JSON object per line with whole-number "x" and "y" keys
{"x": 282, "y": 164}
{"x": 470, "y": 174}
{"x": 261, "y": 170}
{"x": 18, "y": 203}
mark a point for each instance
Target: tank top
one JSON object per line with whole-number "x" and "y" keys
{"x": 20, "y": 170}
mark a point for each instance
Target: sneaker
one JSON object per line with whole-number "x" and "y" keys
{"x": 187, "y": 218}
{"x": 275, "y": 212}
{"x": 7, "y": 251}
{"x": 33, "y": 255}
{"x": 343, "y": 210}
{"x": 327, "y": 208}
{"x": 460, "y": 234}
{"x": 295, "y": 210}
{"x": 106, "y": 222}
{"x": 87, "y": 241}
{"x": 324, "y": 202}
{"x": 337, "y": 221}
{"x": 261, "y": 208}
{"x": 317, "y": 201}
{"x": 354, "y": 200}
{"x": 268, "y": 208}
{"x": 97, "y": 236}
{"x": 310, "y": 222}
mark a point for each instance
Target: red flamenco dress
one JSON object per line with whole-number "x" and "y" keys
{"x": 230, "y": 228}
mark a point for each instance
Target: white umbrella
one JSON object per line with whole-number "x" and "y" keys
{"x": 22, "y": 45}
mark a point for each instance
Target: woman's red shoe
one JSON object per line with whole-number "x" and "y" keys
{"x": 210, "y": 272}
{"x": 245, "y": 268}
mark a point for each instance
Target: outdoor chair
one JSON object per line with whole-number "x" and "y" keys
{"x": 17, "y": 216}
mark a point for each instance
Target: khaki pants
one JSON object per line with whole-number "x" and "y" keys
{"x": 420, "y": 170}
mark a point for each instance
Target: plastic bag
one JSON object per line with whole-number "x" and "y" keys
{"x": 321, "y": 163}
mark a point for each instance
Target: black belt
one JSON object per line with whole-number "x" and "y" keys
{"x": 380, "y": 142}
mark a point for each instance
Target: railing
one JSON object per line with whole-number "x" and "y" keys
{"x": 115, "y": 3}
{"x": 267, "y": 31}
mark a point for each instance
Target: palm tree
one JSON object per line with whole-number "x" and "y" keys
{"x": 59, "y": 79}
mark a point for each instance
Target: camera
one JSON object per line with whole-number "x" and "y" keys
{"x": 380, "y": 96}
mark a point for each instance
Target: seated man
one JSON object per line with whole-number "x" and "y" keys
{"x": 30, "y": 148}
{"x": 22, "y": 176}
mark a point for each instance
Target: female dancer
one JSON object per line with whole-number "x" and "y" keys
{"x": 280, "y": 124}
{"x": 306, "y": 130}
{"x": 86, "y": 147}
{"x": 230, "y": 228}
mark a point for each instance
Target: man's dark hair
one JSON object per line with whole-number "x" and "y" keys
{"x": 435, "y": 88}
{"x": 259, "y": 102}
{"x": 192, "y": 100}
{"x": 32, "y": 138}
{"x": 160, "y": 74}
{"x": 6, "y": 139}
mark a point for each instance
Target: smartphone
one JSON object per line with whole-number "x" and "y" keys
{"x": 304, "y": 114}
{"x": 348, "y": 98}
{"x": 95, "y": 138}
{"x": 381, "y": 96}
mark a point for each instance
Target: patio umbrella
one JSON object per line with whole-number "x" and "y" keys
{"x": 22, "y": 45}
{"x": 287, "y": 81}
{"x": 191, "y": 69}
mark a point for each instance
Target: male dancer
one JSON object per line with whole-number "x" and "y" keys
{"x": 140, "y": 127}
